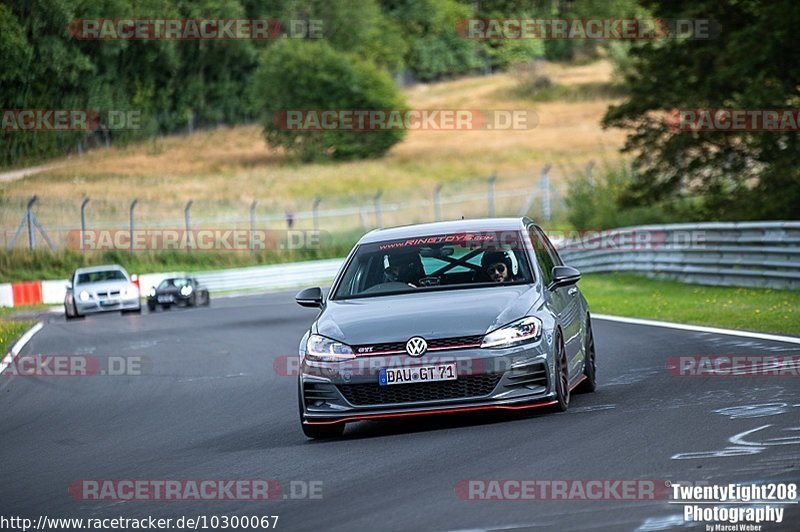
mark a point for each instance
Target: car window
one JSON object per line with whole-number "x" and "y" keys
{"x": 543, "y": 256}
{"x": 463, "y": 260}
{"x": 104, "y": 275}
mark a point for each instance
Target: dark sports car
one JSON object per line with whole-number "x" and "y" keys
{"x": 178, "y": 291}
{"x": 445, "y": 317}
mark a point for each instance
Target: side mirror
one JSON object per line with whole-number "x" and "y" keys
{"x": 309, "y": 297}
{"x": 69, "y": 285}
{"x": 565, "y": 276}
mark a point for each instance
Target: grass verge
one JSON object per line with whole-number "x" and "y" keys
{"x": 754, "y": 309}
{"x": 10, "y": 331}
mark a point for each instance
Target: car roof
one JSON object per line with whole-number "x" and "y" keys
{"x": 92, "y": 269}
{"x": 438, "y": 228}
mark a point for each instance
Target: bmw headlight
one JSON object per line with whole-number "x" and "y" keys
{"x": 84, "y": 295}
{"x": 130, "y": 292}
{"x": 152, "y": 292}
{"x": 321, "y": 349}
{"x": 524, "y": 330}
{"x": 186, "y": 290}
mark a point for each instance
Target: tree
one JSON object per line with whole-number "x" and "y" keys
{"x": 311, "y": 76}
{"x": 752, "y": 64}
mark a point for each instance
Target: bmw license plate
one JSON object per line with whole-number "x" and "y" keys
{"x": 432, "y": 373}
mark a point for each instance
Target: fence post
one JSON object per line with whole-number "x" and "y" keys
{"x": 29, "y": 217}
{"x": 378, "y": 214}
{"x": 490, "y": 194}
{"x": 187, "y": 225}
{"x": 532, "y": 195}
{"x": 133, "y": 226}
{"x": 437, "y": 203}
{"x": 84, "y": 203}
{"x": 253, "y": 227}
{"x": 315, "y": 213}
{"x": 544, "y": 187}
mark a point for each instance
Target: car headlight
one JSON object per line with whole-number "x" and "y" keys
{"x": 84, "y": 295}
{"x": 524, "y": 330}
{"x": 152, "y": 291}
{"x": 130, "y": 292}
{"x": 186, "y": 290}
{"x": 323, "y": 349}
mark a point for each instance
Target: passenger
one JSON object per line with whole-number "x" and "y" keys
{"x": 498, "y": 266}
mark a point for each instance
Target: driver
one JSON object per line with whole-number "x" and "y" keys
{"x": 404, "y": 267}
{"x": 498, "y": 266}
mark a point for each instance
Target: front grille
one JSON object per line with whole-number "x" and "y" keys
{"x": 529, "y": 376}
{"x": 114, "y": 293}
{"x": 375, "y": 394}
{"x": 435, "y": 344}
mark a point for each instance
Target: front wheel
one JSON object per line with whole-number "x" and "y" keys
{"x": 589, "y": 383}
{"x": 562, "y": 377}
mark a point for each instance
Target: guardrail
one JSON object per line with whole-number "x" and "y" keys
{"x": 749, "y": 254}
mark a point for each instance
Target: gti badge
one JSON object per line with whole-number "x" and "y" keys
{"x": 416, "y": 346}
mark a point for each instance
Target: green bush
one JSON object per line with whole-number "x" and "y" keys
{"x": 599, "y": 203}
{"x": 310, "y": 75}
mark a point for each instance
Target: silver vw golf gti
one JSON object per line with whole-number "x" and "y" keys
{"x": 445, "y": 317}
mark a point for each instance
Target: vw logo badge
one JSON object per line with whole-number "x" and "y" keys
{"x": 416, "y": 346}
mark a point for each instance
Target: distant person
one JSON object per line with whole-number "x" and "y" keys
{"x": 289, "y": 219}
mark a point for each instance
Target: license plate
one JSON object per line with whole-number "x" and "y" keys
{"x": 433, "y": 373}
{"x": 164, "y": 299}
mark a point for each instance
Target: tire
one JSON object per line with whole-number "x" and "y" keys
{"x": 75, "y": 315}
{"x": 589, "y": 384}
{"x": 151, "y": 306}
{"x": 192, "y": 301}
{"x": 318, "y": 432}
{"x": 207, "y": 300}
{"x": 562, "y": 376}
{"x": 132, "y": 311}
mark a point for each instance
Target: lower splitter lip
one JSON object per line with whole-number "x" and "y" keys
{"x": 508, "y": 406}
{"x": 429, "y": 412}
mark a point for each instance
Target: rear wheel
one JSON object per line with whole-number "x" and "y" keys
{"x": 562, "y": 377}
{"x": 589, "y": 383}
{"x": 151, "y": 306}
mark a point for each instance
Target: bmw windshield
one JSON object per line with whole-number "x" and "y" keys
{"x": 435, "y": 262}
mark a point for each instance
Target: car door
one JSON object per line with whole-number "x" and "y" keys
{"x": 565, "y": 300}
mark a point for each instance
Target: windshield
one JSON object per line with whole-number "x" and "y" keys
{"x": 180, "y": 283}
{"x": 436, "y": 262}
{"x": 105, "y": 275}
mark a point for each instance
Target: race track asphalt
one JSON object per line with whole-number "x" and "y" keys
{"x": 209, "y": 404}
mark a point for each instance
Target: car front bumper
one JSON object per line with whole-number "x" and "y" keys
{"x": 507, "y": 379}
{"x": 94, "y": 306}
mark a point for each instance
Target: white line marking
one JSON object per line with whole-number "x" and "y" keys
{"x": 699, "y": 328}
{"x": 19, "y": 345}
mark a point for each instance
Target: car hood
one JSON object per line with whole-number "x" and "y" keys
{"x": 439, "y": 314}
